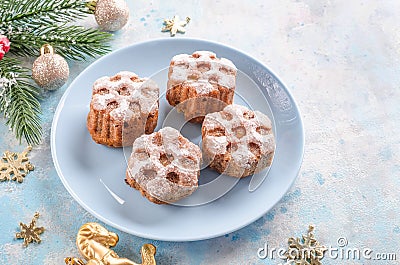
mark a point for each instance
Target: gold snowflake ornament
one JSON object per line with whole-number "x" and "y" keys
{"x": 175, "y": 25}
{"x": 30, "y": 233}
{"x": 15, "y": 166}
{"x": 305, "y": 251}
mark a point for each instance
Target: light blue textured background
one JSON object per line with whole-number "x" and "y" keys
{"x": 339, "y": 59}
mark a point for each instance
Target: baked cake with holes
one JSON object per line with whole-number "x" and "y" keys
{"x": 237, "y": 141}
{"x": 123, "y": 107}
{"x": 164, "y": 166}
{"x": 200, "y": 83}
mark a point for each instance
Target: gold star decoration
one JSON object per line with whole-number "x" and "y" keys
{"x": 30, "y": 233}
{"x": 305, "y": 251}
{"x": 175, "y": 25}
{"x": 15, "y": 166}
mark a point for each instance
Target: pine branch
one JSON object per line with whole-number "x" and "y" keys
{"x": 32, "y": 23}
{"x": 19, "y": 101}
{"x": 29, "y": 24}
{"x": 71, "y": 42}
{"x": 21, "y": 13}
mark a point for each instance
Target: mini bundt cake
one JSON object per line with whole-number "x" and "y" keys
{"x": 237, "y": 141}
{"x": 164, "y": 166}
{"x": 200, "y": 83}
{"x": 123, "y": 107}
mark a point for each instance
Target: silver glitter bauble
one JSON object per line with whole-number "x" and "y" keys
{"x": 50, "y": 71}
{"x": 111, "y": 15}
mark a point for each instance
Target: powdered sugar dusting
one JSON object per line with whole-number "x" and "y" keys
{"x": 242, "y": 127}
{"x": 160, "y": 155}
{"x": 203, "y": 70}
{"x": 123, "y": 91}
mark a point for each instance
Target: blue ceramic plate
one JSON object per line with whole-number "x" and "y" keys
{"x": 94, "y": 174}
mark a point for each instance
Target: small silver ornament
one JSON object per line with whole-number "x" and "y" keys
{"x": 111, "y": 15}
{"x": 50, "y": 71}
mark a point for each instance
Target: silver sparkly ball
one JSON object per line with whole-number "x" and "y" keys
{"x": 50, "y": 71}
{"x": 111, "y": 15}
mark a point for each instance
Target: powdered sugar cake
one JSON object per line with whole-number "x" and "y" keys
{"x": 237, "y": 141}
{"x": 164, "y": 166}
{"x": 122, "y": 108}
{"x": 200, "y": 83}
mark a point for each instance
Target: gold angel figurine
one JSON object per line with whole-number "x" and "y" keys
{"x": 94, "y": 243}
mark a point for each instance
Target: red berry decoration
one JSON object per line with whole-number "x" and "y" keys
{"x": 4, "y": 46}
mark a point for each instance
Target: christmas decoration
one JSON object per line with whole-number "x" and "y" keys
{"x": 19, "y": 101}
{"x": 29, "y": 24}
{"x": 50, "y": 71}
{"x": 14, "y": 166}
{"x": 175, "y": 25}
{"x": 30, "y": 233}
{"x": 305, "y": 251}
{"x": 4, "y": 46}
{"x": 73, "y": 261}
{"x": 94, "y": 242}
{"x": 111, "y": 15}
